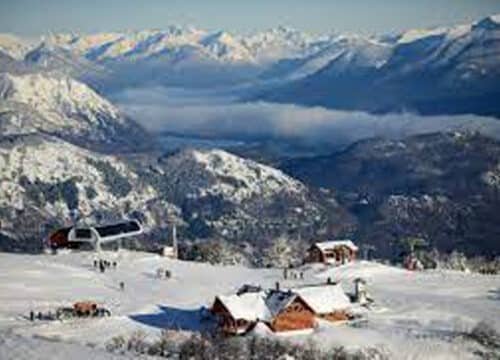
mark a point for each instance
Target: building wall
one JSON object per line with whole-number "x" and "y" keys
{"x": 297, "y": 316}
{"x": 338, "y": 315}
{"x": 315, "y": 255}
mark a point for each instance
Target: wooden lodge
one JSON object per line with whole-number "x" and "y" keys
{"x": 291, "y": 310}
{"x": 332, "y": 252}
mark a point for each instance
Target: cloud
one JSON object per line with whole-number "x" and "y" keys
{"x": 218, "y": 116}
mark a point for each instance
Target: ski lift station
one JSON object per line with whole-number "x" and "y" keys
{"x": 96, "y": 236}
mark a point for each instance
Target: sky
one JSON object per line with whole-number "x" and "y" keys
{"x": 33, "y": 17}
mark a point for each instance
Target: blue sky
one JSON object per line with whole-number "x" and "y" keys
{"x": 30, "y": 17}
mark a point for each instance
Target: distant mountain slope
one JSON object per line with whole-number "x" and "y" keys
{"x": 444, "y": 187}
{"x": 444, "y": 71}
{"x": 64, "y": 107}
{"x": 221, "y": 194}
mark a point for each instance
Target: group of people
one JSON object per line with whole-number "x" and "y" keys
{"x": 39, "y": 315}
{"x": 287, "y": 273}
{"x": 162, "y": 273}
{"x": 104, "y": 264}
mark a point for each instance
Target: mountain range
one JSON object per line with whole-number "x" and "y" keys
{"x": 445, "y": 70}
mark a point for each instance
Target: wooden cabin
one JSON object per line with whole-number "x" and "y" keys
{"x": 332, "y": 252}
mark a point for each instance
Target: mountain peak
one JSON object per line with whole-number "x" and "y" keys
{"x": 489, "y": 23}
{"x": 65, "y": 107}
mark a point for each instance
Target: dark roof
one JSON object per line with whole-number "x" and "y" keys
{"x": 117, "y": 229}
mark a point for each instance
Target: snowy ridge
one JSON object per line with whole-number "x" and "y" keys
{"x": 191, "y": 57}
{"x": 262, "y": 47}
{"x": 236, "y": 198}
{"x": 249, "y": 178}
{"x": 63, "y": 96}
{"x": 65, "y": 107}
{"x": 50, "y": 161}
{"x": 14, "y": 46}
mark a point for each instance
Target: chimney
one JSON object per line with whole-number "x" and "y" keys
{"x": 329, "y": 281}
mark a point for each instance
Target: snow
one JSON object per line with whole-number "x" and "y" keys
{"x": 249, "y": 177}
{"x": 248, "y": 306}
{"x": 417, "y": 312}
{"x": 56, "y": 95}
{"x": 51, "y": 161}
{"x": 324, "y": 299}
{"x": 336, "y": 243}
{"x": 277, "y": 301}
{"x": 418, "y": 34}
{"x": 13, "y": 46}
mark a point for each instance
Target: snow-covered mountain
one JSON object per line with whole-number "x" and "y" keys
{"x": 417, "y": 69}
{"x": 14, "y": 46}
{"x": 211, "y": 193}
{"x": 45, "y": 179}
{"x": 436, "y": 71}
{"x": 343, "y": 53}
{"x": 175, "y": 56}
{"x": 443, "y": 186}
{"x": 62, "y": 106}
{"x": 221, "y": 194}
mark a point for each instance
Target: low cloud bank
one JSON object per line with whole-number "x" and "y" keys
{"x": 218, "y": 115}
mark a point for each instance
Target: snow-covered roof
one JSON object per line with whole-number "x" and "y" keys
{"x": 324, "y": 299}
{"x": 325, "y": 245}
{"x": 247, "y": 306}
{"x": 255, "y": 306}
{"x": 279, "y": 300}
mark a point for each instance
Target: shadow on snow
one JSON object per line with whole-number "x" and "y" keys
{"x": 170, "y": 318}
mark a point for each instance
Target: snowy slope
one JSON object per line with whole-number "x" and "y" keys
{"x": 237, "y": 198}
{"x": 212, "y": 193}
{"x": 14, "y": 46}
{"x": 62, "y": 106}
{"x": 44, "y": 179}
{"x": 416, "y": 318}
{"x": 217, "y": 172}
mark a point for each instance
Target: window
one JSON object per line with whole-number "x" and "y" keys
{"x": 83, "y": 233}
